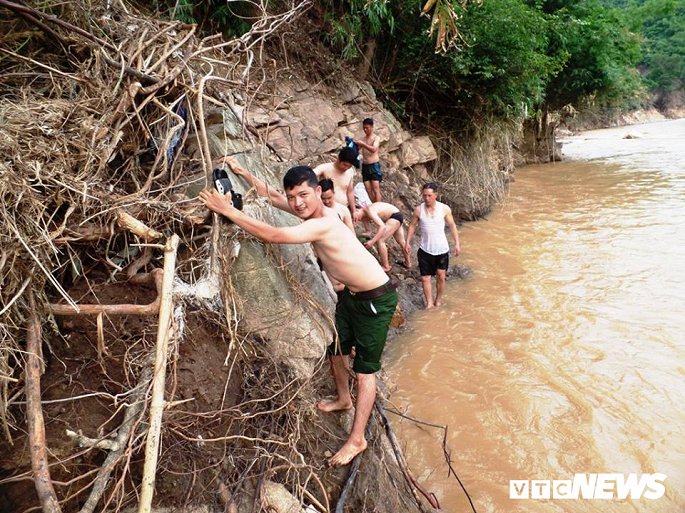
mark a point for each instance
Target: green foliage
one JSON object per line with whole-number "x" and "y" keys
{"x": 232, "y": 18}
{"x": 513, "y": 56}
{"x": 598, "y": 53}
{"x": 662, "y": 22}
{"x": 351, "y": 22}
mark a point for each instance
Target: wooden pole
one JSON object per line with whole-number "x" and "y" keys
{"x": 159, "y": 378}
{"x": 156, "y": 276}
{"x": 34, "y": 415}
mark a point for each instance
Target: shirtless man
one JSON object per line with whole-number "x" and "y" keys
{"x": 371, "y": 167}
{"x": 365, "y": 308}
{"x": 342, "y": 173}
{"x": 328, "y": 199}
{"x": 389, "y": 220}
{"x": 434, "y": 250}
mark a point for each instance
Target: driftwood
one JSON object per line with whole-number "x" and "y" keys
{"x": 34, "y": 413}
{"x": 413, "y": 483}
{"x": 157, "y": 401}
{"x": 98, "y": 443}
{"x": 155, "y": 276}
{"x": 133, "y": 412}
{"x": 354, "y": 469}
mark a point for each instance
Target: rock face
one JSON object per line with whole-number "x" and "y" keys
{"x": 282, "y": 297}
{"x": 307, "y": 126}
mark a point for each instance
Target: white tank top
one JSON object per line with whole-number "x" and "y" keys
{"x": 433, "y": 238}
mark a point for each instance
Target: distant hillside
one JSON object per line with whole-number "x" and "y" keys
{"x": 661, "y": 23}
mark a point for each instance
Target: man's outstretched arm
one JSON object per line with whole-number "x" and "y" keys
{"x": 277, "y": 199}
{"x": 412, "y": 228}
{"x": 381, "y": 227}
{"x": 311, "y": 230}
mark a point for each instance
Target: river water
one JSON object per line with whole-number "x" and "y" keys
{"x": 564, "y": 353}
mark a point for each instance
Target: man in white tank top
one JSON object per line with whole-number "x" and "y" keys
{"x": 434, "y": 250}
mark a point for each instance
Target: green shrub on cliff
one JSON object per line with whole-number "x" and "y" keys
{"x": 511, "y": 57}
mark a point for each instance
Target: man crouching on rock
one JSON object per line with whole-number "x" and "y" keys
{"x": 365, "y": 307}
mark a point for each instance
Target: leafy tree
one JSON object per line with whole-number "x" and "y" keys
{"x": 507, "y": 57}
{"x": 599, "y": 55}
{"x": 663, "y": 24}
{"x": 233, "y": 18}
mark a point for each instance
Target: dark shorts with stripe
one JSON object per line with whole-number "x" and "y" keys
{"x": 430, "y": 264}
{"x": 363, "y": 323}
{"x": 372, "y": 172}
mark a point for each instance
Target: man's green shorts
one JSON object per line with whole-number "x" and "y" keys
{"x": 363, "y": 323}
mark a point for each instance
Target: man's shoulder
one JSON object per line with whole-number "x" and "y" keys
{"x": 326, "y": 167}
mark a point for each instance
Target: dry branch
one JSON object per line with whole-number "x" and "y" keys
{"x": 157, "y": 402}
{"x": 127, "y": 222}
{"x": 131, "y": 417}
{"x": 155, "y": 276}
{"x": 98, "y": 443}
{"x": 34, "y": 415}
{"x": 411, "y": 480}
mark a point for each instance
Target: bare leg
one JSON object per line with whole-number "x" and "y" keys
{"x": 376, "y": 187}
{"x": 343, "y": 400}
{"x": 427, "y": 291}
{"x": 356, "y": 443}
{"x": 400, "y": 239}
{"x": 383, "y": 254}
{"x": 369, "y": 189}
{"x": 440, "y": 286}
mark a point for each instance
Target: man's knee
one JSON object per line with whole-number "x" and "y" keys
{"x": 441, "y": 275}
{"x": 426, "y": 280}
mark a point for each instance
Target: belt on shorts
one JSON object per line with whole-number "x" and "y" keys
{"x": 388, "y": 286}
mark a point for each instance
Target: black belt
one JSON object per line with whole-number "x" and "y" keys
{"x": 388, "y": 286}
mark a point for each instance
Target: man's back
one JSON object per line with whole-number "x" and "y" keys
{"x": 383, "y": 210}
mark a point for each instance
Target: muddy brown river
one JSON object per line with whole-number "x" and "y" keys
{"x": 564, "y": 353}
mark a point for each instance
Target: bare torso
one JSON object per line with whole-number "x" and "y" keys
{"x": 341, "y": 181}
{"x": 345, "y": 259}
{"x": 370, "y": 156}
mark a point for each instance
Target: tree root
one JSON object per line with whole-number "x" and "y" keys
{"x": 414, "y": 485}
{"x": 95, "y": 309}
{"x": 34, "y": 414}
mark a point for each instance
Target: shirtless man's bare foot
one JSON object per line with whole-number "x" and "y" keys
{"x": 347, "y": 452}
{"x": 334, "y": 404}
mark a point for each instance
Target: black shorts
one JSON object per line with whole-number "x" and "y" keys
{"x": 430, "y": 264}
{"x": 372, "y": 172}
{"x": 398, "y": 216}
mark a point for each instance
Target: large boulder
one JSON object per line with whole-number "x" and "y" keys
{"x": 418, "y": 150}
